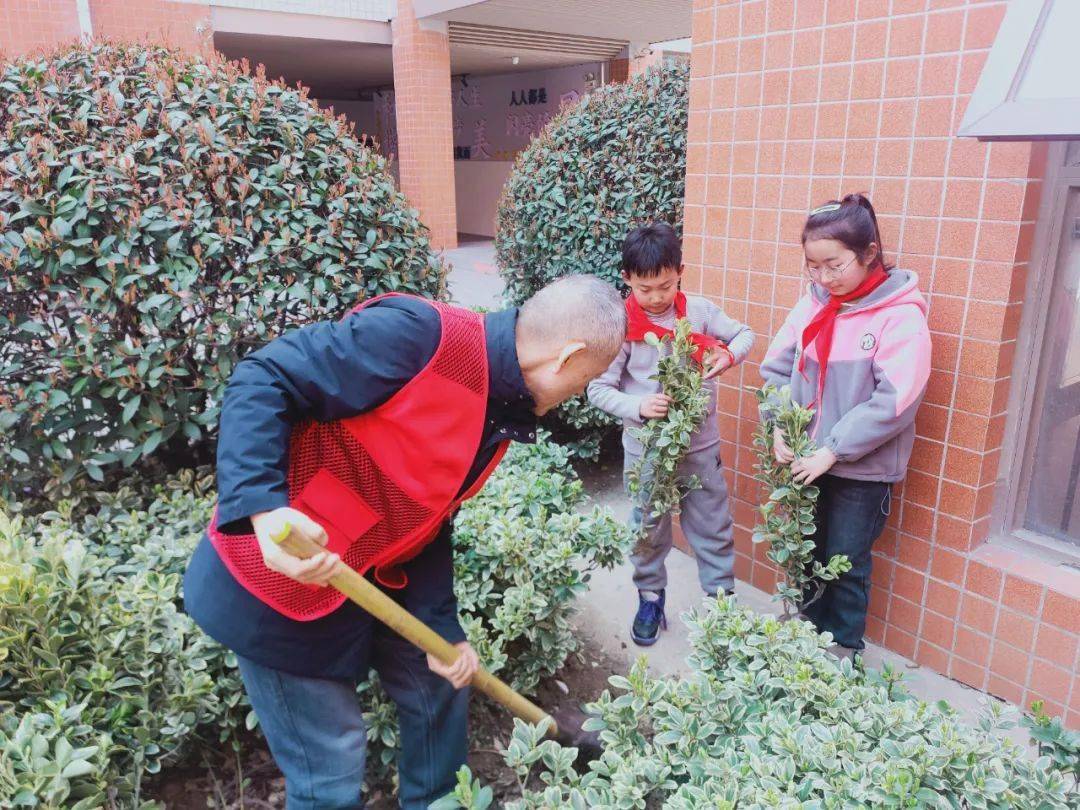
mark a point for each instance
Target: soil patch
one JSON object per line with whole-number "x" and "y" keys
{"x": 251, "y": 781}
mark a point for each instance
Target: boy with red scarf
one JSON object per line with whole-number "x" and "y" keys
{"x": 855, "y": 349}
{"x": 652, "y": 268}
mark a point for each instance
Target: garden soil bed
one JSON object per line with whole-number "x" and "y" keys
{"x": 218, "y": 782}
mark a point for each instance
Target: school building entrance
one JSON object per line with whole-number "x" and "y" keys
{"x": 484, "y": 77}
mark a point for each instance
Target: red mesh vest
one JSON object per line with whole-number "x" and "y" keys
{"x": 381, "y": 483}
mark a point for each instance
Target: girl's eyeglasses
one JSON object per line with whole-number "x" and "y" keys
{"x": 819, "y": 273}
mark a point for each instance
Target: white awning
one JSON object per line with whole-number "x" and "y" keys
{"x": 626, "y": 20}
{"x": 1030, "y": 86}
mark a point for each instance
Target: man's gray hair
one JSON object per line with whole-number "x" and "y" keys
{"x": 576, "y": 308}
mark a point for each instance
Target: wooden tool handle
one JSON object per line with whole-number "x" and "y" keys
{"x": 393, "y": 615}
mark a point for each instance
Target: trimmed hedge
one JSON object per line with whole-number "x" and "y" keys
{"x": 161, "y": 216}
{"x": 104, "y": 680}
{"x": 615, "y": 160}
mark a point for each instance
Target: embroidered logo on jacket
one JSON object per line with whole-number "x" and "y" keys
{"x": 868, "y": 342}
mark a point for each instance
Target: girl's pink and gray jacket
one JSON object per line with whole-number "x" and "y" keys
{"x": 878, "y": 368}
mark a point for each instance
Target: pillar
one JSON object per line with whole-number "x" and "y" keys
{"x": 421, "y": 50}
{"x": 618, "y": 70}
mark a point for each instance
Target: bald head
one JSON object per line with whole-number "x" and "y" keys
{"x": 567, "y": 335}
{"x": 576, "y": 308}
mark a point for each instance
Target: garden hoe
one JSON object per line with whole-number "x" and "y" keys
{"x": 566, "y": 730}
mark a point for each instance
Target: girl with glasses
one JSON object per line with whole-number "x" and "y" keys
{"x": 856, "y": 350}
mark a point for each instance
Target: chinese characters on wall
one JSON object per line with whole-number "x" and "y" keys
{"x": 481, "y": 149}
{"x": 526, "y": 124}
{"x": 537, "y": 95}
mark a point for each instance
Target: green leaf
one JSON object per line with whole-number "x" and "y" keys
{"x": 25, "y": 797}
{"x": 79, "y": 767}
{"x": 152, "y": 442}
{"x": 65, "y": 176}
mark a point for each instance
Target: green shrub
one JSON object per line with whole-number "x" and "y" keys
{"x": 39, "y": 766}
{"x": 100, "y": 668}
{"x": 1052, "y": 739}
{"x": 615, "y": 160}
{"x": 768, "y": 719}
{"x": 104, "y": 679}
{"x": 161, "y": 216}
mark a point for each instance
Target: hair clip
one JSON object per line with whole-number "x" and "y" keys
{"x": 824, "y": 209}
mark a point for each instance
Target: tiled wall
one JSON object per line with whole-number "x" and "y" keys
{"x": 27, "y": 25}
{"x": 183, "y": 24}
{"x": 794, "y": 102}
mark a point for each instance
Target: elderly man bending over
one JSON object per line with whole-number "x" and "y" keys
{"x": 366, "y": 434}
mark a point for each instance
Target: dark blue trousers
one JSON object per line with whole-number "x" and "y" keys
{"x": 850, "y": 517}
{"x": 316, "y": 731}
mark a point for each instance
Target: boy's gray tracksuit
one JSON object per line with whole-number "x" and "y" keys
{"x": 705, "y": 518}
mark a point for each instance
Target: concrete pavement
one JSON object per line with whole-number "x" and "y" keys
{"x": 474, "y": 279}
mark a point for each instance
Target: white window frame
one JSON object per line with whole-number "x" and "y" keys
{"x": 1011, "y": 485}
{"x": 994, "y": 112}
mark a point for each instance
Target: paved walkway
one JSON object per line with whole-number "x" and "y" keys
{"x": 607, "y": 609}
{"x": 605, "y": 613}
{"x": 474, "y": 279}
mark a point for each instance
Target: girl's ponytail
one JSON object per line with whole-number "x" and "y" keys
{"x": 851, "y": 221}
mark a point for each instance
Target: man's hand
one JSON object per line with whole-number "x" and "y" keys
{"x": 809, "y": 469}
{"x": 719, "y": 363}
{"x": 460, "y": 673}
{"x": 655, "y": 406}
{"x": 781, "y": 451}
{"x": 315, "y": 570}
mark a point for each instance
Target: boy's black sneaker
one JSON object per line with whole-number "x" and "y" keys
{"x": 649, "y": 621}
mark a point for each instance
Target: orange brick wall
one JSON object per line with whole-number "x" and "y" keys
{"x": 28, "y": 25}
{"x": 793, "y": 103}
{"x": 178, "y": 24}
{"x": 425, "y": 123}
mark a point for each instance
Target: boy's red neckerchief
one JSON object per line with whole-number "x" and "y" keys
{"x": 638, "y": 325}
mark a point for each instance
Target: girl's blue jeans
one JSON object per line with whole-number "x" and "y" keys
{"x": 850, "y": 517}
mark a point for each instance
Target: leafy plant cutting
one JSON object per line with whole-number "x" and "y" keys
{"x": 654, "y": 481}
{"x": 787, "y": 515}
